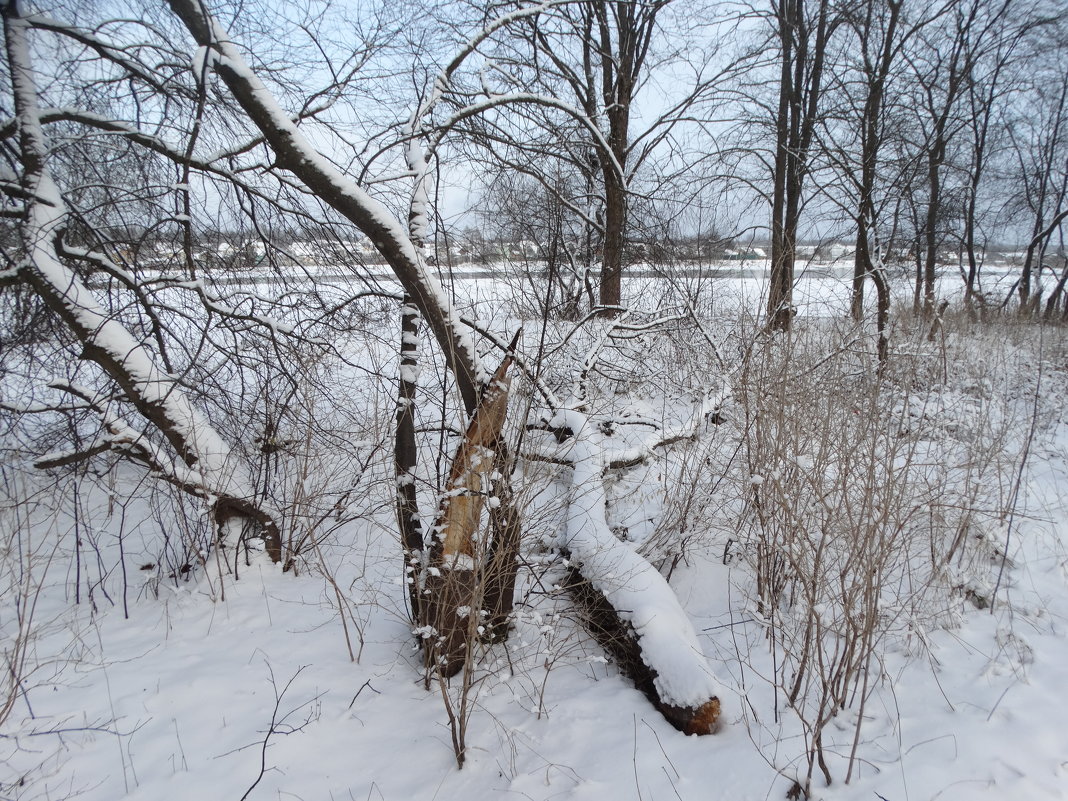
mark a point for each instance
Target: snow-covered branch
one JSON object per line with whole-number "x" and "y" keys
{"x": 295, "y": 153}
{"x": 156, "y": 394}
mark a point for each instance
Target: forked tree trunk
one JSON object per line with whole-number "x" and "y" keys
{"x": 205, "y": 466}
{"x": 871, "y": 141}
{"x": 802, "y": 54}
{"x": 1058, "y": 293}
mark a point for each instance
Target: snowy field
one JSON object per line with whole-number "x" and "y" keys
{"x": 145, "y": 670}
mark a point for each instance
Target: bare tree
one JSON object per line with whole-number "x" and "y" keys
{"x": 802, "y": 31}
{"x": 1039, "y": 148}
{"x": 996, "y": 79}
{"x": 599, "y": 62}
{"x": 881, "y": 33}
{"x": 862, "y": 141}
{"x": 943, "y": 67}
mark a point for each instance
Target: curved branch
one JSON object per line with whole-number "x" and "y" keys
{"x": 296, "y": 154}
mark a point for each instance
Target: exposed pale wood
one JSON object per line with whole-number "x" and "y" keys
{"x": 465, "y": 498}
{"x": 458, "y": 585}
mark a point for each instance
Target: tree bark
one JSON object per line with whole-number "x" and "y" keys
{"x": 406, "y": 456}
{"x": 871, "y": 141}
{"x": 780, "y": 299}
{"x": 930, "y": 231}
{"x": 802, "y": 54}
{"x": 615, "y": 226}
{"x": 459, "y": 572}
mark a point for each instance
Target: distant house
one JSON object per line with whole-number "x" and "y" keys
{"x": 834, "y": 251}
{"x": 746, "y": 254}
{"x": 523, "y": 249}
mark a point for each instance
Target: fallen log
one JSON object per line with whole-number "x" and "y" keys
{"x": 629, "y": 607}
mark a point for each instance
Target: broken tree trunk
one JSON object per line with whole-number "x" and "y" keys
{"x": 461, "y": 573}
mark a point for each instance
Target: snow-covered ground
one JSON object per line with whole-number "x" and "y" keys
{"x": 289, "y": 686}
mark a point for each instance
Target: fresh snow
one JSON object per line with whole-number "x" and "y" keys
{"x": 176, "y": 701}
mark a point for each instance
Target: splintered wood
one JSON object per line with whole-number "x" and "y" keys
{"x": 455, "y": 588}
{"x": 465, "y": 498}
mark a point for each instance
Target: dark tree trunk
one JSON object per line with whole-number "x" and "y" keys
{"x": 930, "y": 231}
{"x": 871, "y": 140}
{"x": 800, "y": 87}
{"x": 502, "y": 564}
{"x": 405, "y": 457}
{"x": 1057, "y": 295}
{"x": 780, "y": 289}
{"x": 615, "y": 225}
{"x": 620, "y": 34}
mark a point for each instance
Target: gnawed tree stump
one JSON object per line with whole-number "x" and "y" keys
{"x": 463, "y": 575}
{"x": 452, "y": 610}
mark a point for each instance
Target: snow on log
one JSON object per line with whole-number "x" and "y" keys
{"x": 632, "y": 610}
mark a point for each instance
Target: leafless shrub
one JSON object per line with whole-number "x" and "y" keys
{"x": 32, "y": 537}
{"x": 869, "y": 496}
